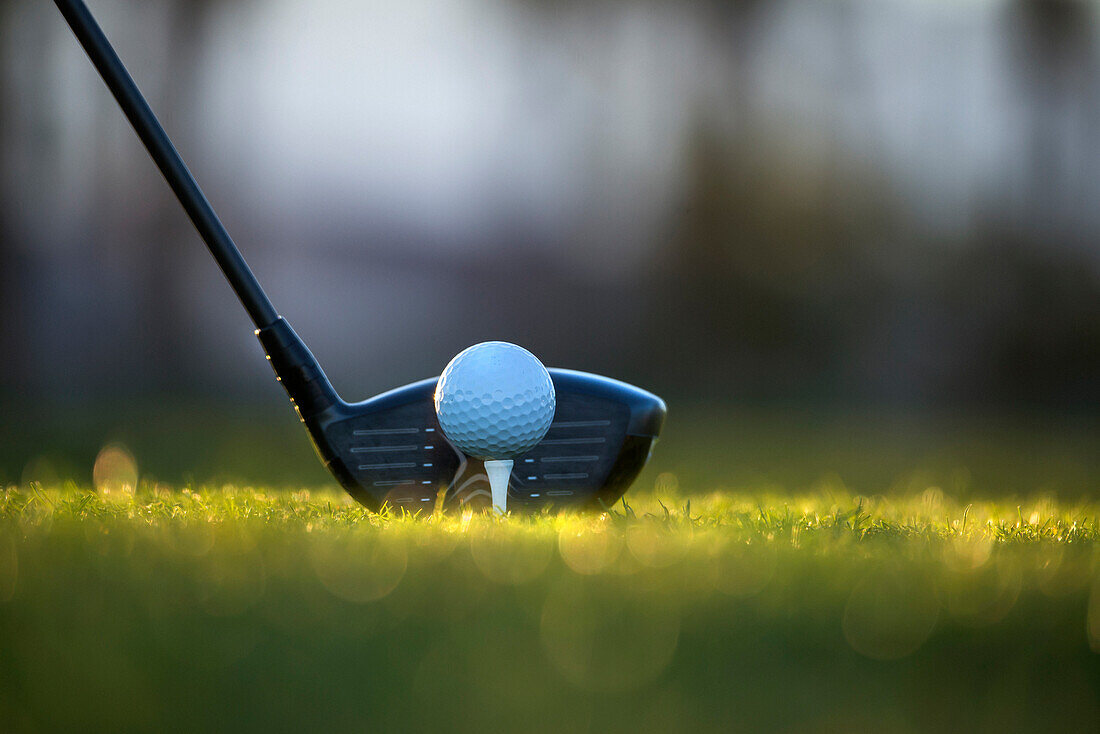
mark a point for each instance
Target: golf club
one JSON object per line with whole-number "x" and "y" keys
{"x": 389, "y": 450}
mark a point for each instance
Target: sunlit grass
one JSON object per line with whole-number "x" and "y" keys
{"x": 297, "y": 609}
{"x": 777, "y": 518}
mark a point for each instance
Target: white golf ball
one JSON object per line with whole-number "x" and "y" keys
{"x": 495, "y": 401}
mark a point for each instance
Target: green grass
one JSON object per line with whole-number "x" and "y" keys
{"x": 241, "y": 609}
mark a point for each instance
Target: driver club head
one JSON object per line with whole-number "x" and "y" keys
{"x": 389, "y": 449}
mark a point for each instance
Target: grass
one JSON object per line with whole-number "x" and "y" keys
{"x": 232, "y": 608}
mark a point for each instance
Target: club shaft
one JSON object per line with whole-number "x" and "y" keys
{"x": 169, "y": 162}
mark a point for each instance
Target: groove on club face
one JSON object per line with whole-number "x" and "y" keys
{"x": 390, "y": 449}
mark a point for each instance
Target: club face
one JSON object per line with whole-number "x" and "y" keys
{"x": 390, "y": 450}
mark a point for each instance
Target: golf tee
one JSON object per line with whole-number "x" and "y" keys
{"x": 499, "y": 471}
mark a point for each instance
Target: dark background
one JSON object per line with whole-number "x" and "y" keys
{"x": 854, "y": 237}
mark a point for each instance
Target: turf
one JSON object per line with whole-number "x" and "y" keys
{"x": 241, "y": 609}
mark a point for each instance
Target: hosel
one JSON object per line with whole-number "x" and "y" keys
{"x": 297, "y": 369}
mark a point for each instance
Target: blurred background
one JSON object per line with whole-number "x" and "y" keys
{"x": 856, "y": 239}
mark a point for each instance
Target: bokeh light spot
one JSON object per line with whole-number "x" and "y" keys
{"x": 589, "y": 548}
{"x": 653, "y": 545}
{"x": 361, "y": 566}
{"x": 968, "y": 554}
{"x": 115, "y": 471}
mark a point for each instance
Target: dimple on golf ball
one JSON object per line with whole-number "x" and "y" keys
{"x": 495, "y": 400}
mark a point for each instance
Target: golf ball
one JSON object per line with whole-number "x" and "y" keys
{"x": 495, "y": 400}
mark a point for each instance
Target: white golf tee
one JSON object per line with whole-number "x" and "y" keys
{"x": 499, "y": 470}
